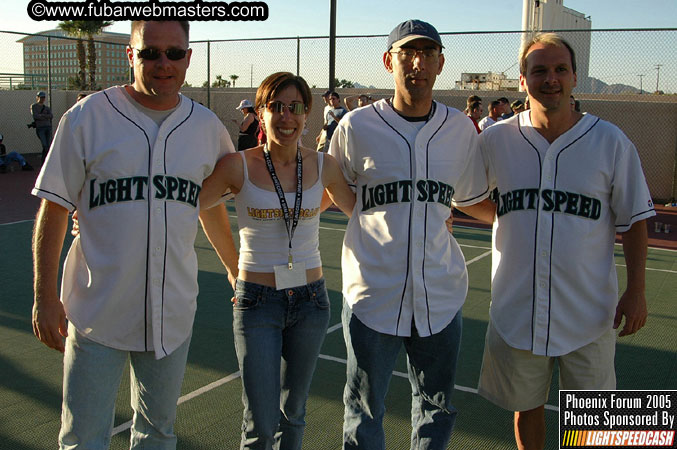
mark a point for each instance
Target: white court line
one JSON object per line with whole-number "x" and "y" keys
{"x": 404, "y": 375}
{"x": 14, "y": 223}
{"x": 477, "y": 258}
{"x": 191, "y": 395}
{"x": 651, "y": 269}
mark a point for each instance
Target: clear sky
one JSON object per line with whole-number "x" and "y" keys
{"x": 311, "y": 17}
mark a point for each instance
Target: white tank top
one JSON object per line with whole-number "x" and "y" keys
{"x": 264, "y": 242}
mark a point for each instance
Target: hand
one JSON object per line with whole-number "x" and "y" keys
{"x": 633, "y": 306}
{"x": 450, "y": 222}
{"x": 75, "y": 231}
{"x": 49, "y": 324}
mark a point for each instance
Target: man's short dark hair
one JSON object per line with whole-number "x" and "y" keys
{"x": 137, "y": 24}
{"x": 504, "y": 100}
{"x": 496, "y": 103}
{"x": 334, "y": 94}
{"x": 473, "y": 98}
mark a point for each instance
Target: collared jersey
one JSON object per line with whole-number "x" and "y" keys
{"x": 554, "y": 286}
{"x": 130, "y": 278}
{"x": 401, "y": 267}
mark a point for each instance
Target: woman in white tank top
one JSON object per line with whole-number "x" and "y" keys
{"x": 281, "y": 306}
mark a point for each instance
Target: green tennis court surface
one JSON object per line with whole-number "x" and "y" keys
{"x": 209, "y": 415}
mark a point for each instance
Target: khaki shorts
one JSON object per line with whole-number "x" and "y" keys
{"x": 518, "y": 380}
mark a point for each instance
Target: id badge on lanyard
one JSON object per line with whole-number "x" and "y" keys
{"x": 291, "y": 274}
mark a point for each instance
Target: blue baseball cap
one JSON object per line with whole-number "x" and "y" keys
{"x": 413, "y": 29}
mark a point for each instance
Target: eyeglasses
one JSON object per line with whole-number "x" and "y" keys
{"x": 408, "y": 54}
{"x": 151, "y": 54}
{"x": 296, "y": 108}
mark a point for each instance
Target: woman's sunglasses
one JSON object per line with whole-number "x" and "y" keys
{"x": 151, "y": 54}
{"x": 296, "y": 108}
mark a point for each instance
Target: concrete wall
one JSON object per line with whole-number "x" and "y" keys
{"x": 649, "y": 121}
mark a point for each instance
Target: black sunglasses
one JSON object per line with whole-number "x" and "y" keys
{"x": 296, "y": 108}
{"x": 151, "y": 54}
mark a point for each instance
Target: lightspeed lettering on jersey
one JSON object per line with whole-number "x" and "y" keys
{"x": 134, "y": 188}
{"x": 430, "y": 191}
{"x": 553, "y": 201}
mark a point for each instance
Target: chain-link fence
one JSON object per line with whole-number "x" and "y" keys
{"x": 628, "y": 77}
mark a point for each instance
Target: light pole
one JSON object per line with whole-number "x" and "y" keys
{"x": 658, "y": 73}
{"x": 640, "y": 83}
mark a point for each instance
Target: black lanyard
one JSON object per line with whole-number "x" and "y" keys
{"x": 289, "y": 222}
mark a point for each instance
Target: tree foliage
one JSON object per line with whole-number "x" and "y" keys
{"x": 85, "y": 29}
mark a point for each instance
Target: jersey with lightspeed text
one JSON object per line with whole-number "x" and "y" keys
{"x": 401, "y": 267}
{"x": 130, "y": 278}
{"x": 554, "y": 286}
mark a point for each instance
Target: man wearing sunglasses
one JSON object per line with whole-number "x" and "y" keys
{"x": 126, "y": 159}
{"x": 404, "y": 277}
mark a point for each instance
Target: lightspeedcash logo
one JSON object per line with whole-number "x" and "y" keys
{"x": 147, "y": 10}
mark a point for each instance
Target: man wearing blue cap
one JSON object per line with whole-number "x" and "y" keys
{"x": 404, "y": 277}
{"x": 42, "y": 121}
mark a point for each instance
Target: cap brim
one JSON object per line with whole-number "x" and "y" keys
{"x": 413, "y": 37}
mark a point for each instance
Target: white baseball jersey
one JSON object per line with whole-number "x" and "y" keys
{"x": 486, "y": 123}
{"x": 554, "y": 286}
{"x": 130, "y": 278}
{"x": 400, "y": 264}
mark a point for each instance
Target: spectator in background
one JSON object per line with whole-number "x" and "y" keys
{"x": 517, "y": 106}
{"x": 358, "y": 101}
{"x": 575, "y": 104}
{"x": 249, "y": 127}
{"x": 333, "y": 116}
{"x": 526, "y": 103}
{"x": 506, "y": 111}
{"x": 470, "y": 100}
{"x": 475, "y": 112}
{"x": 7, "y": 158}
{"x": 322, "y": 137}
{"x": 495, "y": 109}
{"x": 42, "y": 122}
{"x": 81, "y": 95}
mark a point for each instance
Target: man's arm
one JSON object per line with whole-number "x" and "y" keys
{"x": 49, "y": 317}
{"x": 216, "y": 226}
{"x": 632, "y": 304}
{"x": 484, "y": 210}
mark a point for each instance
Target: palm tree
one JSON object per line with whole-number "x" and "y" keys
{"x": 80, "y": 29}
{"x": 71, "y": 28}
{"x": 92, "y": 28}
{"x": 234, "y": 77}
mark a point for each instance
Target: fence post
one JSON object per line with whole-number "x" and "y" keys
{"x": 298, "y": 56}
{"x": 209, "y": 97}
{"x": 332, "y": 44}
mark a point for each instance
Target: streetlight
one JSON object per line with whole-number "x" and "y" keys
{"x": 640, "y": 83}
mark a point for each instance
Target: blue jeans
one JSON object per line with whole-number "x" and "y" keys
{"x": 278, "y": 336}
{"x": 45, "y": 136}
{"x": 431, "y": 363}
{"x": 92, "y": 374}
